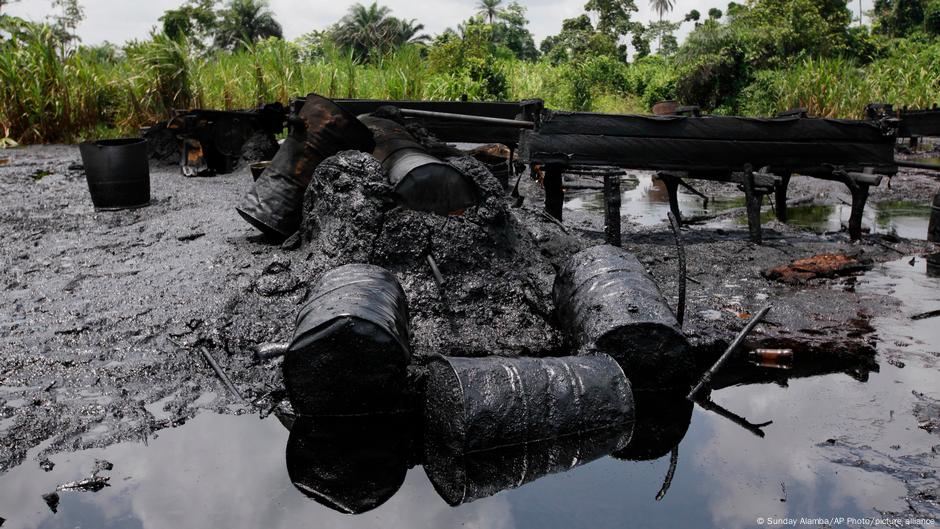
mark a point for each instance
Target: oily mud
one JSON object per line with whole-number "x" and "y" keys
{"x": 106, "y": 317}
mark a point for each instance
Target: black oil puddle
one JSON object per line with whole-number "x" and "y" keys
{"x": 839, "y": 444}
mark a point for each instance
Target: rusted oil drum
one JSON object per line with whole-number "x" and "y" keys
{"x": 933, "y": 230}
{"x": 350, "y": 464}
{"x": 474, "y": 404}
{"x": 606, "y": 302}
{"x": 463, "y": 478}
{"x": 421, "y": 181}
{"x": 662, "y": 420}
{"x": 351, "y": 346}
{"x": 118, "y": 172}
{"x": 319, "y": 130}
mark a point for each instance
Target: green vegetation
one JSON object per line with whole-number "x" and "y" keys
{"x": 755, "y": 58}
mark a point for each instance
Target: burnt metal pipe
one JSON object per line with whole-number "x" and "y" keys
{"x": 421, "y": 181}
{"x": 319, "y": 130}
{"x": 351, "y": 347}
{"x": 607, "y": 302}
{"x": 707, "y": 377}
{"x": 468, "y": 118}
{"x": 475, "y": 404}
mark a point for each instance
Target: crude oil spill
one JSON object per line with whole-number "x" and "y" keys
{"x": 844, "y": 444}
{"x": 646, "y": 203}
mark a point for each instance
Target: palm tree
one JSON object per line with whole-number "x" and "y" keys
{"x": 245, "y": 22}
{"x": 407, "y": 33}
{"x": 662, "y": 7}
{"x": 372, "y": 29}
{"x": 489, "y": 9}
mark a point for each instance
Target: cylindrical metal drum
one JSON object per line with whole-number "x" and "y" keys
{"x": 319, "y": 130}
{"x": 118, "y": 172}
{"x": 462, "y": 478}
{"x": 421, "y": 181}
{"x": 474, "y": 404}
{"x": 605, "y": 301}
{"x": 933, "y": 230}
{"x": 351, "y": 346}
{"x": 350, "y": 464}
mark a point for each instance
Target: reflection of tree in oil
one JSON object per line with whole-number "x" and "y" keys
{"x": 814, "y": 217}
{"x": 886, "y": 212}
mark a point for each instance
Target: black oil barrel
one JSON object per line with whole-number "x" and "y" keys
{"x": 662, "y": 420}
{"x": 605, "y": 301}
{"x": 474, "y": 404}
{"x": 463, "y": 478}
{"x": 118, "y": 172}
{"x": 933, "y": 230}
{"x": 319, "y": 130}
{"x": 351, "y": 346}
{"x": 421, "y": 181}
{"x": 350, "y": 464}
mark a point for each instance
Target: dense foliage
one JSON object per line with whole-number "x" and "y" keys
{"x": 758, "y": 58}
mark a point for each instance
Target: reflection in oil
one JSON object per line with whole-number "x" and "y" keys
{"x": 355, "y": 464}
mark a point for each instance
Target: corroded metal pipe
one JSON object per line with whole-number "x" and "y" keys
{"x": 351, "y": 345}
{"x": 607, "y": 302}
{"x": 319, "y": 130}
{"x": 421, "y": 181}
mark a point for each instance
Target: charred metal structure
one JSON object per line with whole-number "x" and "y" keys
{"x": 211, "y": 141}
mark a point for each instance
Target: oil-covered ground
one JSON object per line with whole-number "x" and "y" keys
{"x": 105, "y": 318}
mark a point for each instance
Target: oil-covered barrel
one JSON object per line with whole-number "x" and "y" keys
{"x": 605, "y": 301}
{"x": 319, "y": 130}
{"x": 474, "y": 404}
{"x": 933, "y": 230}
{"x": 351, "y": 346}
{"x": 462, "y": 478}
{"x": 118, "y": 172}
{"x": 350, "y": 464}
{"x": 421, "y": 181}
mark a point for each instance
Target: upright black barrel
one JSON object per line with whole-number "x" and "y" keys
{"x": 351, "y": 346}
{"x": 606, "y": 302}
{"x": 118, "y": 172}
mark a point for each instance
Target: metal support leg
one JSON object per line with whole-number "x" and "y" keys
{"x": 859, "y": 198}
{"x": 554, "y": 192}
{"x": 780, "y": 197}
{"x": 933, "y": 229}
{"x": 672, "y": 189}
{"x": 753, "y": 201}
{"x": 612, "y": 209}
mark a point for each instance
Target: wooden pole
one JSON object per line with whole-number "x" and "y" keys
{"x": 554, "y": 191}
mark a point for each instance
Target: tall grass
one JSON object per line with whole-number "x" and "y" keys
{"x": 47, "y": 95}
{"x": 908, "y": 77}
